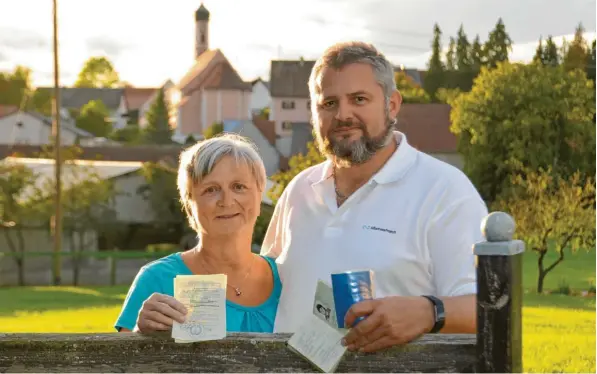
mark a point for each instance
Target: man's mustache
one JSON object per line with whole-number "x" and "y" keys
{"x": 337, "y": 124}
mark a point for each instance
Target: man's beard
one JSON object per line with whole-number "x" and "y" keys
{"x": 352, "y": 152}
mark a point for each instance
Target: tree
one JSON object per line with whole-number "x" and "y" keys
{"x": 551, "y": 57}
{"x": 575, "y": 56}
{"x": 547, "y": 54}
{"x": 130, "y": 135}
{"x": 158, "y": 129}
{"x": 87, "y": 206}
{"x": 162, "y": 194}
{"x": 434, "y": 78}
{"x": 538, "y": 116}
{"x": 591, "y": 63}
{"x": 447, "y": 95}
{"x": 552, "y": 214}
{"x": 451, "y": 75}
{"x": 214, "y": 130}
{"x": 411, "y": 92}
{"x": 87, "y": 202}
{"x": 463, "y": 51}
{"x": 17, "y": 210}
{"x": 15, "y": 87}
{"x": 41, "y": 102}
{"x": 498, "y": 45}
{"x": 477, "y": 57}
{"x": 538, "y": 57}
{"x": 94, "y": 118}
{"x": 97, "y": 72}
{"x": 265, "y": 112}
{"x": 451, "y": 55}
{"x": 465, "y": 72}
{"x": 297, "y": 163}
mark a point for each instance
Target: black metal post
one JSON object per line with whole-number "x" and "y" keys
{"x": 499, "y": 296}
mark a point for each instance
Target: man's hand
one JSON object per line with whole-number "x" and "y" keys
{"x": 389, "y": 321}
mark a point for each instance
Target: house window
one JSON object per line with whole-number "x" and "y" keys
{"x": 19, "y": 124}
{"x": 287, "y": 104}
{"x": 308, "y": 104}
{"x": 287, "y": 125}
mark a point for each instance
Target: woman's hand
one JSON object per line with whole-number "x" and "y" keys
{"x": 158, "y": 313}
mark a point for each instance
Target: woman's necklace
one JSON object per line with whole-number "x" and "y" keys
{"x": 237, "y": 290}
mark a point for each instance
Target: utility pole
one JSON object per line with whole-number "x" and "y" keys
{"x": 57, "y": 220}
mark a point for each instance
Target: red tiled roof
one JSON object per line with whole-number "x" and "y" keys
{"x": 225, "y": 77}
{"x": 201, "y": 64}
{"x": 136, "y": 97}
{"x": 427, "y": 127}
{"x": 267, "y": 128}
{"x": 5, "y": 110}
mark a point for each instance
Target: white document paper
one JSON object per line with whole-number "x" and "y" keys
{"x": 323, "y": 304}
{"x": 204, "y": 296}
{"x": 319, "y": 343}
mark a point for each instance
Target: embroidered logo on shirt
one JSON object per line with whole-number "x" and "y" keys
{"x": 366, "y": 227}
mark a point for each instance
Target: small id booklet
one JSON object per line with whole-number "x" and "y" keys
{"x": 318, "y": 340}
{"x": 204, "y": 296}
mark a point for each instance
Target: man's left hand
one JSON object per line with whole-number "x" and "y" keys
{"x": 388, "y": 321}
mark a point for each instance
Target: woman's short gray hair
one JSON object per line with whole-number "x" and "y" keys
{"x": 197, "y": 161}
{"x": 342, "y": 54}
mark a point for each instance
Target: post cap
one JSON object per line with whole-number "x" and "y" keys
{"x": 498, "y": 227}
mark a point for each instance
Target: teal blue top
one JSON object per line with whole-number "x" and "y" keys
{"x": 158, "y": 276}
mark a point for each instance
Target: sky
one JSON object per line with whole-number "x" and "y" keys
{"x": 150, "y": 41}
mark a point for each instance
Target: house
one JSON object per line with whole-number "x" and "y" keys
{"x": 427, "y": 128}
{"x": 260, "y": 132}
{"x": 211, "y": 91}
{"x": 74, "y": 98}
{"x": 290, "y": 98}
{"x": 416, "y": 75}
{"x": 136, "y": 101}
{"x": 28, "y": 127}
{"x": 260, "y": 97}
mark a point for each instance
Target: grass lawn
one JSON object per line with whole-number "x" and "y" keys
{"x": 558, "y": 335}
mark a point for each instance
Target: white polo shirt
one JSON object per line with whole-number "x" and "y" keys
{"x": 413, "y": 224}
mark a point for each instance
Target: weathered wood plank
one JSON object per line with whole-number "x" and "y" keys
{"x": 130, "y": 352}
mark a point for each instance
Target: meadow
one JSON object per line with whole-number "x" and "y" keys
{"x": 558, "y": 329}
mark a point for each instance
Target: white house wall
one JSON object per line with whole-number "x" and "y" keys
{"x": 33, "y": 131}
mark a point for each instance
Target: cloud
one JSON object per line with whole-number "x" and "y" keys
{"x": 22, "y": 39}
{"x": 106, "y": 45}
{"x": 3, "y": 57}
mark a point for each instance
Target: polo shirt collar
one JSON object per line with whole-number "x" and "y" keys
{"x": 394, "y": 169}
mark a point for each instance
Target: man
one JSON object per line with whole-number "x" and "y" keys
{"x": 376, "y": 203}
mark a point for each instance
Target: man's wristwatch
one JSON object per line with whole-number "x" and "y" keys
{"x": 440, "y": 315}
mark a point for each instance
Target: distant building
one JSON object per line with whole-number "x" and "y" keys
{"x": 211, "y": 91}
{"x": 28, "y": 127}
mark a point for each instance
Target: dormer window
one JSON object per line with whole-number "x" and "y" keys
{"x": 19, "y": 124}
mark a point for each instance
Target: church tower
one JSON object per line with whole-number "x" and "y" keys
{"x": 201, "y": 30}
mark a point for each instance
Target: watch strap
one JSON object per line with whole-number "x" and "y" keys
{"x": 439, "y": 311}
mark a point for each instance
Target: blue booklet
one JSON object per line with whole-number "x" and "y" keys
{"x": 350, "y": 288}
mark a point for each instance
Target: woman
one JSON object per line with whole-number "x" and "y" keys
{"x": 220, "y": 181}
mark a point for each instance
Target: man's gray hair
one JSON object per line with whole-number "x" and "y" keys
{"x": 197, "y": 161}
{"x": 345, "y": 53}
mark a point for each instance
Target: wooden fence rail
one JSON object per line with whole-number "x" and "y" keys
{"x": 496, "y": 348}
